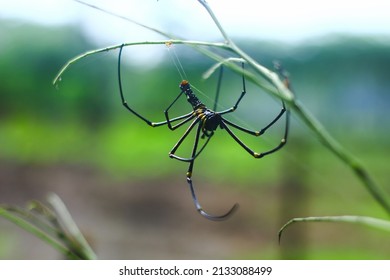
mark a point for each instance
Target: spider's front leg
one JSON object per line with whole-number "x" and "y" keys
{"x": 187, "y": 117}
{"x": 124, "y": 102}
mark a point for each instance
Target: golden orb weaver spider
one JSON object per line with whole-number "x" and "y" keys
{"x": 206, "y": 121}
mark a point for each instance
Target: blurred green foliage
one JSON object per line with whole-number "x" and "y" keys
{"x": 342, "y": 79}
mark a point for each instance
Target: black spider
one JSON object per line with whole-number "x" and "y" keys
{"x": 206, "y": 121}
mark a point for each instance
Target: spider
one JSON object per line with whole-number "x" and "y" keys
{"x": 206, "y": 122}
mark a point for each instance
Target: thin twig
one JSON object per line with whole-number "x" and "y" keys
{"x": 58, "y": 77}
{"x": 70, "y": 228}
{"x": 315, "y": 126}
{"x": 216, "y": 21}
{"x": 362, "y": 220}
{"x": 33, "y": 229}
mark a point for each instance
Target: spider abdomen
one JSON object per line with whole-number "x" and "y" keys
{"x": 210, "y": 119}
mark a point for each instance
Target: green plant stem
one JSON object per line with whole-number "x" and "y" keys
{"x": 56, "y": 227}
{"x": 315, "y": 126}
{"x": 362, "y": 220}
{"x": 70, "y": 228}
{"x": 58, "y": 78}
{"x": 272, "y": 77}
{"x": 216, "y": 21}
{"x": 43, "y": 222}
{"x": 36, "y": 231}
{"x": 336, "y": 148}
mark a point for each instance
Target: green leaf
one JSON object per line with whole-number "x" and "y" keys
{"x": 54, "y": 226}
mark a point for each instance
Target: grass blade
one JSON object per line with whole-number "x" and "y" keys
{"x": 361, "y": 220}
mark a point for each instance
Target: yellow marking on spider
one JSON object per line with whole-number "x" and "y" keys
{"x": 168, "y": 44}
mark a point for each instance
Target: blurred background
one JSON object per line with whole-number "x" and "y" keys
{"x": 113, "y": 171}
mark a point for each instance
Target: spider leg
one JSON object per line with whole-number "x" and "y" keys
{"x": 187, "y": 118}
{"x": 261, "y": 131}
{"x": 224, "y": 125}
{"x": 243, "y": 92}
{"x": 126, "y": 105}
{"x": 218, "y": 88}
{"x": 124, "y": 102}
{"x": 225, "y": 122}
{"x": 199, "y": 208}
{"x": 177, "y": 145}
{"x": 169, "y": 121}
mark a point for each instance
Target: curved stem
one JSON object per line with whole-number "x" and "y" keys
{"x": 57, "y": 78}
{"x": 29, "y": 227}
{"x": 272, "y": 77}
{"x": 69, "y": 226}
{"x": 216, "y": 21}
{"x": 336, "y": 148}
{"x": 285, "y": 93}
{"x": 362, "y": 220}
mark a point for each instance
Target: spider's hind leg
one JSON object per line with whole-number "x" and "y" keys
{"x": 190, "y": 184}
{"x": 200, "y": 208}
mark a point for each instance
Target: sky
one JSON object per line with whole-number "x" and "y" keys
{"x": 280, "y": 20}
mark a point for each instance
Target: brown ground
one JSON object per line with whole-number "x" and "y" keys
{"x": 141, "y": 220}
